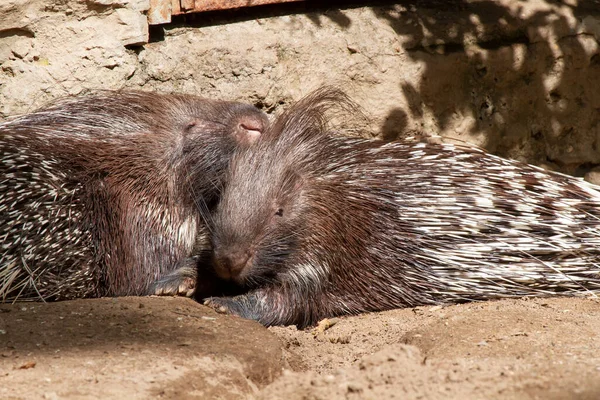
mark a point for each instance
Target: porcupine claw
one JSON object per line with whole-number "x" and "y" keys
{"x": 222, "y": 305}
{"x": 244, "y": 306}
{"x": 259, "y": 305}
{"x": 180, "y": 282}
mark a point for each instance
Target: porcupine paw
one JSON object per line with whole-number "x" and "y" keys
{"x": 224, "y": 305}
{"x": 185, "y": 287}
{"x": 181, "y": 282}
{"x": 244, "y": 306}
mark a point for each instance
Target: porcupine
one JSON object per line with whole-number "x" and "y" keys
{"x": 101, "y": 194}
{"x": 315, "y": 225}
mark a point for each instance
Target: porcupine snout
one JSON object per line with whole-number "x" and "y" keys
{"x": 230, "y": 264}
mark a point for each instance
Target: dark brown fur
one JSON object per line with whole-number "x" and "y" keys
{"x": 102, "y": 194}
{"x": 314, "y": 226}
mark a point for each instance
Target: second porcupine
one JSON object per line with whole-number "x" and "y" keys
{"x": 314, "y": 225}
{"x": 101, "y": 194}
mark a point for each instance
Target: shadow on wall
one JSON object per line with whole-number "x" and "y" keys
{"x": 530, "y": 85}
{"x": 521, "y": 83}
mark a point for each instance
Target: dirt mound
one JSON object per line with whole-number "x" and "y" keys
{"x": 132, "y": 348}
{"x": 174, "y": 348}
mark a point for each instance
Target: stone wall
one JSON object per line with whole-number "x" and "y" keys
{"x": 521, "y": 79}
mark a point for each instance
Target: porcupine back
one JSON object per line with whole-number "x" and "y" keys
{"x": 99, "y": 193}
{"x": 325, "y": 225}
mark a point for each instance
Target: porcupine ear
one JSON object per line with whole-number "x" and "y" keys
{"x": 324, "y": 110}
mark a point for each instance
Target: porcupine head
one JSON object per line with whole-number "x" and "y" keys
{"x": 262, "y": 225}
{"x": 115, "y": 180}
{"x": 211, "y": 132}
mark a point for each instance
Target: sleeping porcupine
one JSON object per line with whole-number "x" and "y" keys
{"x": 100, "y": 194}
{"x": 314, "y": 225}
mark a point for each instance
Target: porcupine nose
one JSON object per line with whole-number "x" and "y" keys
{"x": 250, "y": 128}
{"x": 231, "y": 264}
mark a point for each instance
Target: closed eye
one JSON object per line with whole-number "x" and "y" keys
{"x": 190, "y": 126}
{"x": 279, "y": 212}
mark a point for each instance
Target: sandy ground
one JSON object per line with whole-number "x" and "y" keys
{"x": 513, "y": 349}
{"x": 175, "y": 348}
{"x": 132, "y": 348}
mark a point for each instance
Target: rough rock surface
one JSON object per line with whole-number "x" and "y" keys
{"x": 518, "y": 78}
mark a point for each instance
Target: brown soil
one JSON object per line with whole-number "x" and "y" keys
{"x": 132, "y": 348}
{"x": 175, "y": 348}
{"x": 525, "y": 349}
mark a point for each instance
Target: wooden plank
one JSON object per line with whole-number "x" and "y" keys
{"x": 175, "y": 7}
{"x": 211, "y": 5}
{"x": 187, "y": 5}
{"x": 159, "y": 12}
